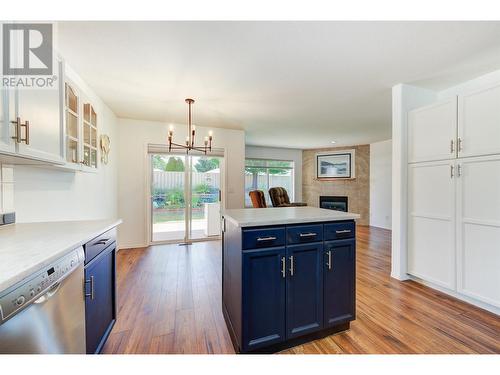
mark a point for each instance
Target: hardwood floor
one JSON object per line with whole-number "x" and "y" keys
{"x": 169, "y": 302}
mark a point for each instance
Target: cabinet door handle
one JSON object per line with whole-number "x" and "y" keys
{"x": 452, "y": 146}
{"x": 270, "y": 238}
{"x": 311, "y": 234}
{"x": 291, "y": 265}
{"x": 26, "y": 138}
{"x": 91, "y": 294}
{"x": 283, "y": 267}
{"x": 329, "y": 262}
{"x": 459, "y": 144}
{"x": 452, "y": 169}
{"x": 17, "y": 124}
{"x": 343, "y": 231}
{"x": 459, "y": 170}
{"x": 102, "y": 242}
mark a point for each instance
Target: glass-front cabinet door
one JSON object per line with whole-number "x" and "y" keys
{"x": 89, "y": 136}
{"x": 72, "y": 119}
{"x": 81, "y": 129}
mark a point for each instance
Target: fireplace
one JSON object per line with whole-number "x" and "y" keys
{"x": 333, "y": 203}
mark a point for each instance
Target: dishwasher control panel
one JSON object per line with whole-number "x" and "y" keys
{"x": 35, "y": 286}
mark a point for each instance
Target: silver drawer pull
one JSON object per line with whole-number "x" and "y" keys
{"x": 270, "y": 238}
{"x": 308, "y": 234}
{"x": 343, "y": 231}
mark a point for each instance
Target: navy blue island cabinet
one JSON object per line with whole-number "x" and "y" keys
{"x": 283, "y": 285}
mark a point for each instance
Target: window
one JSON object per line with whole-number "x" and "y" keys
{"x": 262, "y": 174}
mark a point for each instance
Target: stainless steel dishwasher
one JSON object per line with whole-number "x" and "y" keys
{"x": 45, "y": 313}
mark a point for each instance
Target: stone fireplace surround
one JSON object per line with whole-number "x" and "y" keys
{"x": 357, "y": 189}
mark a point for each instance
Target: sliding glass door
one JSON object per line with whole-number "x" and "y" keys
{"x": 185, "y": 197}
{"x": 205, "y": 197}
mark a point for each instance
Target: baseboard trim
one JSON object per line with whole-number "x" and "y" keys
{"x": 457, "y": 295}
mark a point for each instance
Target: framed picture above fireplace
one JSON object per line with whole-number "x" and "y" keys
{"x": 335, "y": 164}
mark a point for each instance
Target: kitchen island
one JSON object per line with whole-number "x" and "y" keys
{"x": 288, "y": 275}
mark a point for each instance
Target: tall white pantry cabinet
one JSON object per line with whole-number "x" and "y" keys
{"x": 454, "y": 194}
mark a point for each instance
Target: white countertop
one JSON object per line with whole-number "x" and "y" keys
{"x": 28, "y": 247}
{"x": 252, "y": 217}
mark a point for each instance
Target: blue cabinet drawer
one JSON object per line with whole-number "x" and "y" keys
{"x": 340, "y": 230}
{"x": 304, "y": 233}
{"x": 263, "y": 237}
{"x": 94, "y": 247}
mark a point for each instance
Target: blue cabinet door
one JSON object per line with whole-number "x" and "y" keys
{"x": 339, "y": 282}
{"x": 263, "y": 299}
{"x": 304, "y": 313}
{"x": 99, "y": 299}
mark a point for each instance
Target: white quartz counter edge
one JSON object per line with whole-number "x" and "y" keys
{"x": 243, "y": 217}
{"x": 26, "y": 248}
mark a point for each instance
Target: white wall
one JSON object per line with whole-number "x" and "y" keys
{"x": 404, "y": 98}
{"x": 133, "y": 171}
{"x": 289, "y": 154}
{"x": 47, "y": 194}
{"x": 381, "y": 184}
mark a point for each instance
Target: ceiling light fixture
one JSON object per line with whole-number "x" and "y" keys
{"x": 333, "y": 142}
{"x": 190, "y": 144}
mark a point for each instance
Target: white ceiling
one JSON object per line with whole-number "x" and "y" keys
{"x": 287, "y": 84}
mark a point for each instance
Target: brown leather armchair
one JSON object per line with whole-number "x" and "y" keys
{"x": 258, "y": 198}
{"x": 279, "y": 198}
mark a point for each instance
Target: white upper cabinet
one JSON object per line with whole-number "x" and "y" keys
{"x": 7, "y": 144}
{"x": 479, "y": 122}
{"x": 80, "y": 120}
{"x": 432, "y": 132}
{"x": 431, "y": 222}
{"x": 478, "y": 251}
{"x": 40, "y": 113}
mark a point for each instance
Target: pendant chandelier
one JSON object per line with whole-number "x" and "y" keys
{"x": 190, "y": 143}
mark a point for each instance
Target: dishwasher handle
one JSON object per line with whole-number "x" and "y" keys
{"x": 49, "y": 294}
